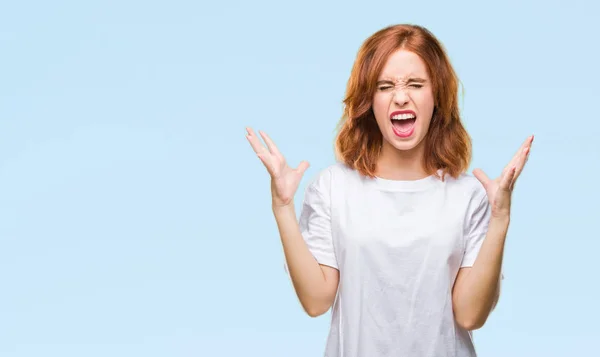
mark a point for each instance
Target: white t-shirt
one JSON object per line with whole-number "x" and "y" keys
{"x": 398, "y": 246}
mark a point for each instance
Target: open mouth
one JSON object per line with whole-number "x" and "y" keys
{"x": 403, "y": 123}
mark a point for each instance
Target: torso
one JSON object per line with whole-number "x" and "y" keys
{"x": 399, "y": 246}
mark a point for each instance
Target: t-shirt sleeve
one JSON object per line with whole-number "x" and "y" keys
{"x": 478, "y": 218}
{"x": 315, "y": 220}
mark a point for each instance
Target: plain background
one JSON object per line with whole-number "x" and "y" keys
{"x": 135, "y": 219}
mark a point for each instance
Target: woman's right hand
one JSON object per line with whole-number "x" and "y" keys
{"x": 284, "y": 179}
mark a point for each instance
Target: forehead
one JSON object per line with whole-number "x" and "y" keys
{"x": 402, "y": 65}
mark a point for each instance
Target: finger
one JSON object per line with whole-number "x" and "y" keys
{"x": 523, "y": 159}
{"x": 482, "y": 177}
{"x": 513, "y": 161}
{"x": 265, "y": 159}
{"x": 255, "y": 142}
{"x": 515, "y": 158}
{"x": 302, "y": 167}
{"x": 262, "y": 152}
{"x": 507, "y": 178}
{"x": 270, "y": 144}
{"x": 521, "y": 163}
{"x": 520, "y": 167}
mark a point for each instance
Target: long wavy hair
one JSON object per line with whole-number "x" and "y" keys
{"x": 359, "y": 140}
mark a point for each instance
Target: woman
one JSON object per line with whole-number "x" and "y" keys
{"x": 404, "y": 245}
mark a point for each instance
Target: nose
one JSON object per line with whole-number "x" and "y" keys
{"x": 400, "y": 97}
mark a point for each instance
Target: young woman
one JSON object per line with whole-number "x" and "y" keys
{"x": 404, "y": 245}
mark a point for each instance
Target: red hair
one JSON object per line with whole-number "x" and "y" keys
{"x": 359, "y": 140}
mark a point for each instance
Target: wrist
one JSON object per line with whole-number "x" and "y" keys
{"x": 500, "y": 216}
{"x": 282, "y": 207}
{"x": 499, "y": 223}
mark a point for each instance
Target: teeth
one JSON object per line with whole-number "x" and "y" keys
{"x": 403, "y": 117}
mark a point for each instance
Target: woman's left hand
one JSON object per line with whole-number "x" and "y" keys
{"x": 499, "y": 190}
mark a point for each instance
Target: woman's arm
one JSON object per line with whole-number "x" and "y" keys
{"x": 316, "y": 285}
{"x": 477, "y": 288}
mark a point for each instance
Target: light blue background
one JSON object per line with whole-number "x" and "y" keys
{"x": 135, "y": 219}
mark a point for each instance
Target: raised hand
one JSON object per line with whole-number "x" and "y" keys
{"x": 499, "y": 190}
{"x": 284, "y": 179}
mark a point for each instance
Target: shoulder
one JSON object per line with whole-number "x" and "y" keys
{"x": 468, "y": 186}
{"x": 333, "y": 174}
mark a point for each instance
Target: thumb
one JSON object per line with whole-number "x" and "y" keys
{"x": 302, "y": 167}
{"x": 481, "y": 176}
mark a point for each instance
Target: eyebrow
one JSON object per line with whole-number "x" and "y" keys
{"x": 414, "y": 79}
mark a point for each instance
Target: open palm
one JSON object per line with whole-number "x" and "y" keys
{"x": 284, "y": 179}
{"x": 499, "y": 190}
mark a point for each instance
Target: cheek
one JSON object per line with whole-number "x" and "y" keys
{"x": 426, "y": 104}
{"x": 380, "y": 106}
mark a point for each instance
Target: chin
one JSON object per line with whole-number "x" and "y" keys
{"x": 404, "y": 141}
{"x": 405, "y": 146}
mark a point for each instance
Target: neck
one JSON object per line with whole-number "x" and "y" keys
{"x": 405, "y": 165}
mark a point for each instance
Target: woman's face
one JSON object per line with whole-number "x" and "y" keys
{"x": 403, "y": 102}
